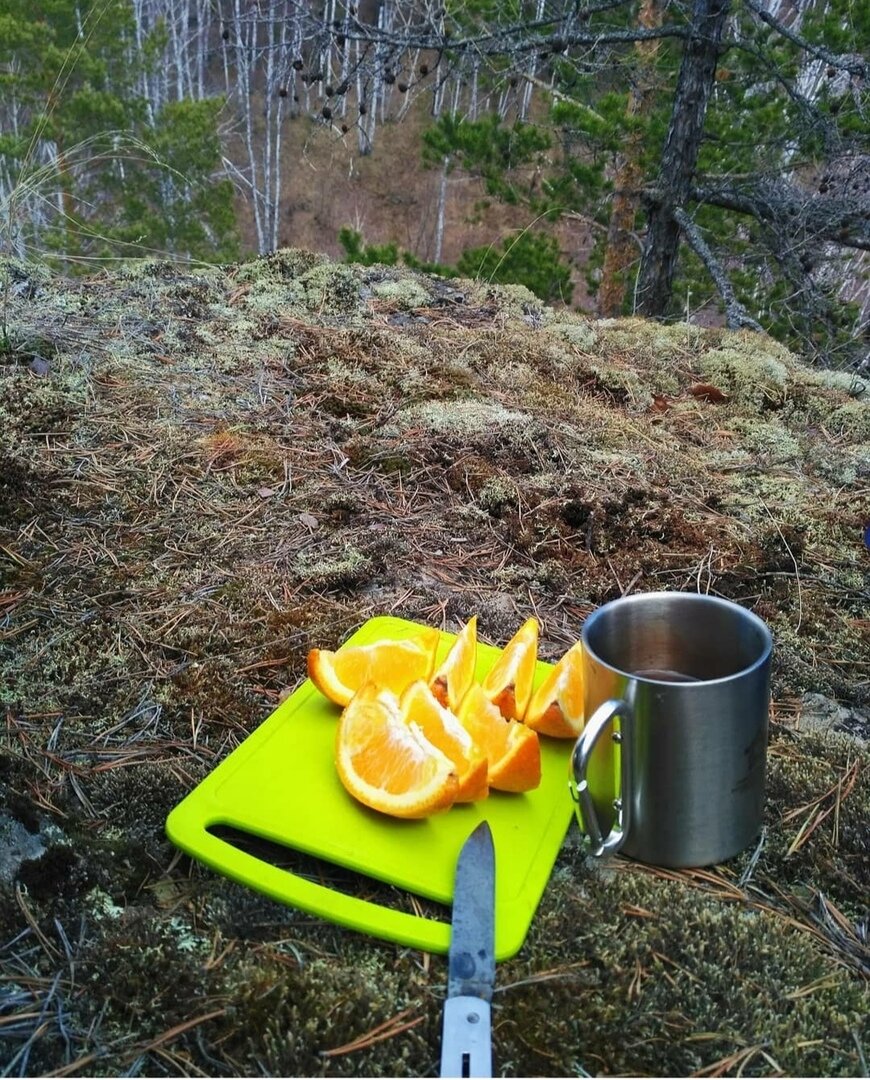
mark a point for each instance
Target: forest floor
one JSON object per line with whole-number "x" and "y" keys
{"x": 205, "y": 474}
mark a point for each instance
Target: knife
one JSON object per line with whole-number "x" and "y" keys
{"x": 466, "y": 1046}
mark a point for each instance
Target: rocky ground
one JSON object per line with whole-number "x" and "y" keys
{"x": 204, "y": 473}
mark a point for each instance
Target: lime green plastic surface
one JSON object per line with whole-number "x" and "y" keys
{"x": 281, "y": 784}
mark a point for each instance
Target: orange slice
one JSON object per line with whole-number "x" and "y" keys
{"x": 556, "y": 707}
{"x": 512, "y": 749}
{"x": 441, "y": 728}
{"x": 452, "y": 680}
{"x": 508, "y": 684}
{"x": 387, "y": 764}
{"x": 392, "y": 665}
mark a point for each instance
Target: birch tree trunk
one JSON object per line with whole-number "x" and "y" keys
{"x": 442, "y": 209}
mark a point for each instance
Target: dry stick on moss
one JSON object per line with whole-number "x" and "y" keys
{"x": 570, "y": 971}
{"x": 167, "y": 1036}
{"x": 739, "y": 1060}
{"x": 828, "y": 925}
{"x": 841, "y": 791}
{"x": 843, "y": 935}
{"x": 794, "y": 561}
{"x": 394, "y": 1026}
{"x": 76, "y": 1067}
{"x": 50, "y": 951}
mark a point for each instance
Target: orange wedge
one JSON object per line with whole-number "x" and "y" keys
{"x": 386, "y": 763}
{"x": 452, "y": 680}
{"x": 512, "y": 750}
{"x": 392, "y": 665}
{"x": 556, "y": 707}
{"x": 508, "y": 684}
{"x": 441, "y": 728}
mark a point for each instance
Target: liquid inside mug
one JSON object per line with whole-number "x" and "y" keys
{"x": 670, "y": 767}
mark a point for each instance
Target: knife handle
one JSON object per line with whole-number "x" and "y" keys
{"x": 466, "y": 1042}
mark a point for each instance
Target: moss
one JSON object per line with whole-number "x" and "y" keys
{"x": 514, "y": 303}
{"x": 497, "y": 494}
{"x": 754, "y": 373}
{"x": 623, "y": 385}
{"x": 671, "y": 991}
{"x": 580, "y": 334}
{"x": 843, "y": 381}
{"x": 851, "y": 420}
{"x": 23, "y": 276}
{"x": 842, "y": 466}
{"x": 651, "y": 342}
{"x": 273, "y": 297}
{"x": 773, "y": 441}
{"x": 285, "y": 265}
{"x": 332, "y": 287}
{"x": 468, "y": 418}
{"x": 404, "y": 294}
{"x": 339, "y": 570}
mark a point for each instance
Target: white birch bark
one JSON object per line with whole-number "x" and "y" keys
{"x": 442, "y": 209}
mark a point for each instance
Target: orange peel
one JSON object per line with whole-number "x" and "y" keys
{"x": 508, "y": 683}
{"x": 556, "y": 707}
{"x": 451, "y": 681}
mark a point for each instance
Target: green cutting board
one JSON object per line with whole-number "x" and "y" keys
{"x": 281, "y": 785}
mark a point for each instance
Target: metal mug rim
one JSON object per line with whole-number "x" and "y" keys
{"x": 718, "y": 601}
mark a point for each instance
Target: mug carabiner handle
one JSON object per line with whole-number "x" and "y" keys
{"x": 587, "y": 817}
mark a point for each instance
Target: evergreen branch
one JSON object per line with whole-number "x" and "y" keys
{"x": 855, "y": 65}
{"x": 736, "y": 315}
{"x": 810, "y": 113}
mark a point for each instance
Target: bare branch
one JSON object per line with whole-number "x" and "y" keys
{"x": 736, "y": 315}
{"x": 510, "y": 40}
{"x": 841, "y": 220}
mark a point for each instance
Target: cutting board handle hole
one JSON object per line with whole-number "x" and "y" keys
{"x": 330, "y": 875}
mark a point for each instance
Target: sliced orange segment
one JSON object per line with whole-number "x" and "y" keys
{"x": 512, "y": 750}
{"x": 556, "y": 707}
{"x": 508, "y": 684}
{"x": 441, "y": 728}
{"x": 456, "y": 673}
{"x": 392, "y": 665}
{"x": 387, "y": 764}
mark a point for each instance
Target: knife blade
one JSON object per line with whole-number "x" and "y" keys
{"x": 466, "y": 1046}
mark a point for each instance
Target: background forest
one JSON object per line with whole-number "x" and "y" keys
{"x": 707, "y": 159}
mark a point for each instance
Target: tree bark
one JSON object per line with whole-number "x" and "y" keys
{"x": 621, "y": 249}
{"x": 680, "y": 155}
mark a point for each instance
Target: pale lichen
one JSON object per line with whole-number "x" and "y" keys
{"x": 752, "y": 373}
{"x": 406, "y": 293}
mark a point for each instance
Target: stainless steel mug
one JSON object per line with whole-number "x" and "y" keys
{"x": 670, "y": 767}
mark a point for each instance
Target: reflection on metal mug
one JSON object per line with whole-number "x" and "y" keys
{"x": 670, "y": 768}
